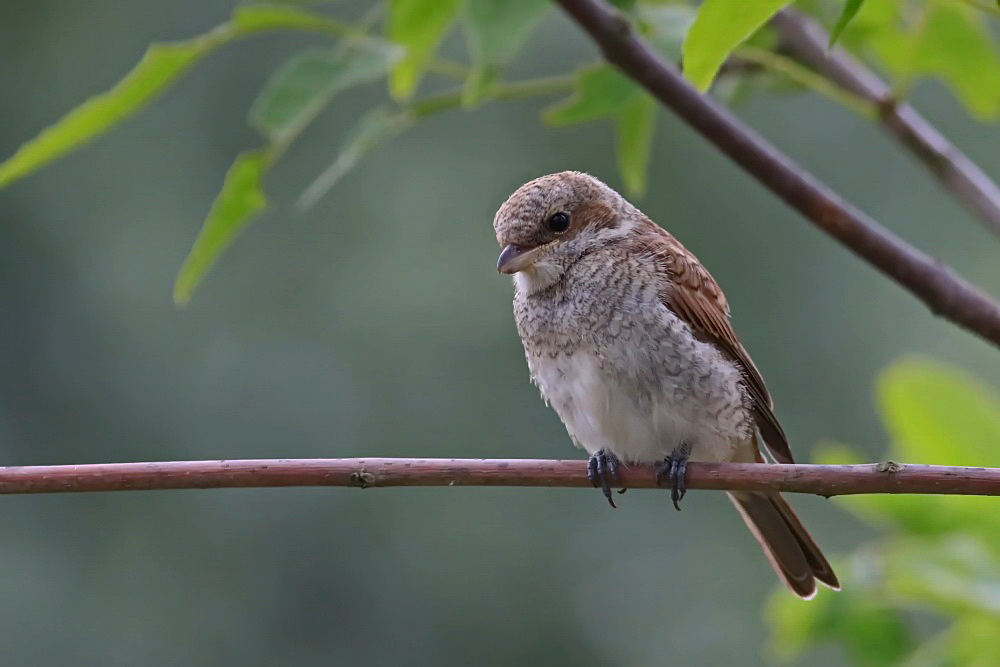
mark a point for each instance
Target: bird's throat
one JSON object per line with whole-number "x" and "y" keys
{"x": 540, "y": 276}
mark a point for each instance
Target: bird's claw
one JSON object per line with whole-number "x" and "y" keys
{"x": 602, "y": 471}
{"x": 674, "y": 468}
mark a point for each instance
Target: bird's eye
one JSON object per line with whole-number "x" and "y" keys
{"x": 558, "y": 222}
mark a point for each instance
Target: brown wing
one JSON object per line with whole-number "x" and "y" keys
{"x": 695, "y": 297}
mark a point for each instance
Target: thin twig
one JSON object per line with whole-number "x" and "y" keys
{"x": 944, "y": 292}
{"x": 821, "y": 480}
{"x": 971, "y": 186}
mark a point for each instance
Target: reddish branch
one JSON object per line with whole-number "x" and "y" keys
{"x": 944, "y": 292}
{"x": 806, "y": 41}
{"x": 363, "y": 473}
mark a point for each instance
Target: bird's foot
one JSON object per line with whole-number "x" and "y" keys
{"x": 673, "y": 468}
{"x": 602, "y": 471}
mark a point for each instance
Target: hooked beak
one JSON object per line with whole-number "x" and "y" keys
{"x": 516, "y": 258}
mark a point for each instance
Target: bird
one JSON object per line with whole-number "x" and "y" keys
{"x": 629, "y": 339}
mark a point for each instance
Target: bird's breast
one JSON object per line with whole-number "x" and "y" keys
{"x": 625, "y": 374}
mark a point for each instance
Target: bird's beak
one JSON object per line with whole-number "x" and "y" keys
{"x": 516, "y": 258}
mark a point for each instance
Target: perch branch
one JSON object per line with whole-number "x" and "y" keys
{"x": 806, "y": 41}
{"x": 821, "y": 480}
{"x": 943, "y": 291}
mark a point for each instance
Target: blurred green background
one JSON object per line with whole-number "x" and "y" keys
{"x": 375, "y": 324}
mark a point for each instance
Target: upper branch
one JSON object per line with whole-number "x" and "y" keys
{"x": 806, "y": 41}
{"x": 944, "y": 292}
{"x": 363, "y": 473}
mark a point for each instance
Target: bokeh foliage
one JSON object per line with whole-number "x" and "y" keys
{"x": 95, "y": 368}
{"x": 938, "y": 556}
{"x": 947, "y": 39}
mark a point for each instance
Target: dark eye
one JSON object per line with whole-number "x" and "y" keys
{"x": 558, "y": 223}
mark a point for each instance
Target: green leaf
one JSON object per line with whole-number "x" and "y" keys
{"x": 419, "y": 26}
{"x": 955, "y": 575}
{"x": 601, "y": 92}
{"x": 956, "y": 46}
{"x": 938, "y": 414}
{"x": 306, "y": 82}
{"x": 971, "y": 639}
{"x": 375, "y": 127}
{"x": 259, "y": 18}
{"x": 952, "y": 43}
{"x": 496, "y": 29}
{"x": 719, "y": 27}
{"x": 851, "y": 8}
{"x": 634, "y": 142}
{"x": 794, "y": 626}
{"x": 240, "y": 199}
{"x": 872, "y": 631}
{"x": 666, "y": 26}
{"x": 935, "y": 414}
{"x": 160, "y": 66}
{"x": 942, "y": 554}
{"x": 872, "y": 19}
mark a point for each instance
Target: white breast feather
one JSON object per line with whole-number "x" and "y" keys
{"x": 700, "y": 400}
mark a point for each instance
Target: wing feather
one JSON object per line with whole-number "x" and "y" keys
{"x": 692, "y": 294}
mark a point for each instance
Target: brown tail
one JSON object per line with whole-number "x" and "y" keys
{"x": 787, "y": 544}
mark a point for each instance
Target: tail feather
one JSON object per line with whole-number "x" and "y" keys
{"x": 817, "y": 561}
{"x": 792, "y": 552}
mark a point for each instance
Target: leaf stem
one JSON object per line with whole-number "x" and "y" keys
{"x": 514, "y": 90}
{"x": 803, "y": 75}
{"x": 448, "y": 68}
{"x": 533, "y": 87}
{"x": 357, "y": 33}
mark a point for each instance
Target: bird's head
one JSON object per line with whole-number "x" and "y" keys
{"x": 552, "y": 221}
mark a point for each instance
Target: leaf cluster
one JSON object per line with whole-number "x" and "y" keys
{"x": 937, "y": 563}
{"x": 721, "y": 45}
